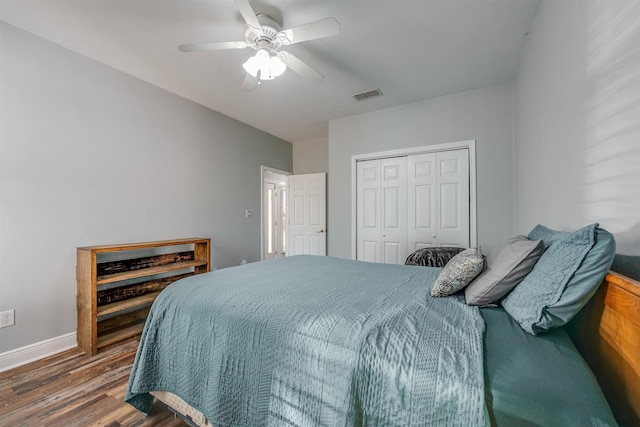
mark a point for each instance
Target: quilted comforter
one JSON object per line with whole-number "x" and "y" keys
{"x": 314, "y": 341}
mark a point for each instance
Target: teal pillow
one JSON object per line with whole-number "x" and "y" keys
{"x": 563, "y": 280}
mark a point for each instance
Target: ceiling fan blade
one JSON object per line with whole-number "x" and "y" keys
{"x": 248, "y": 14}
{"x": 197, "y": 47}
{"x": 250, "y": 82}
{"x": 313, "y": 30}
{"x": 300, "y": 67}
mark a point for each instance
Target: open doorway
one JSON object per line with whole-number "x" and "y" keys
{"x": 274, "y": 213}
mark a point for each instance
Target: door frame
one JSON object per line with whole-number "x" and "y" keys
{"x": 263, "y": 172}
{"x": 449, "y": 146}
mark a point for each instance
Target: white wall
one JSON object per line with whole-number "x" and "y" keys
{"x": 577, "y": 121}
{"x": 484, "y": 115}
{"x": 311, "y": 156}
{"x": 91, "y": 156}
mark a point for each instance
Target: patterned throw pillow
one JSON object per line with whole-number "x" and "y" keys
{"x": 433, "y": 257}
{"x": 458, "y": 273}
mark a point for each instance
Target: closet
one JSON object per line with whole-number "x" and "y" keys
{"x": 408, "y": 202}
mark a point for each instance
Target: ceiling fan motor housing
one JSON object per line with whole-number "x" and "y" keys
{"x": 266, "y": 36}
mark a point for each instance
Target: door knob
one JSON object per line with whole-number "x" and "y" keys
{"x": 321, "y": 231}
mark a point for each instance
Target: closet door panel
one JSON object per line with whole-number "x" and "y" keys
{"x": 393, "y": 186}
{"x": 368, "y": 203}
{"x": 411, "y": 202}
{"x": 449, "y": 207}
{"x": 392, "y": 253}
{"x": 421, "y": 205}
{"x": 391, "y": 208}
{"x": 370, "y": 251}
{"x": 453, "y": 198}
{"x": 370, "y": 208}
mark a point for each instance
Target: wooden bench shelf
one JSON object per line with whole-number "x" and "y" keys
{"x": 121, "y": 334}
{"x": 128, "y": 304}
{"x": 125, "y": 302}
{"x": 110, "y": 278}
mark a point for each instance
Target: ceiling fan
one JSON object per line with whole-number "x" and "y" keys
{"x": 265, "y": 35}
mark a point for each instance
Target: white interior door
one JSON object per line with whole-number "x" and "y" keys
{"x": 439, "y": 199}
{"x": 367, "y": 211}
{"x": 422, "y": 188}
{"x": 307, "y": 214}
{"x": 381, "y": 210}
{"x": 453, "y": 193}
{"x": 410, "y": 202}
{"x": 393, "y": 184}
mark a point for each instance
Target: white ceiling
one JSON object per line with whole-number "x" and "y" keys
{"x": 410, "y": 50}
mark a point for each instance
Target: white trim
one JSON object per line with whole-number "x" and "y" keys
{"x": 473, "y": 209}
{"x": 264, "y": 169}
{"x": 36, "y": 351}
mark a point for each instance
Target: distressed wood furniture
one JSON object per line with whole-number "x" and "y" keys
{"x": 607, "y": 333}
{"x": 118, "y": 283}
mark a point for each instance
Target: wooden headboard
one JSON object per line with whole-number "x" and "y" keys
{"x": 607, "y": 333}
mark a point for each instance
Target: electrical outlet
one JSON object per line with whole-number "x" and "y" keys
{"x": 7, "y": 318}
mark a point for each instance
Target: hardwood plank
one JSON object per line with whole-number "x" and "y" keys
{"x": 120, "y": 334}
{"x": 72, "y": 389}
{"x": 608, "y": 336}
{"x": 624, "y": 303}
{"x": 122, "y": 321}
{"x": 622, "y": 336}
{"x": 145, "y": 245}
{"x": 86, "y": 294}
{"x": 127, "y": 304}
{"x": 132, "y": 264}
{"x": 120, "y": 293}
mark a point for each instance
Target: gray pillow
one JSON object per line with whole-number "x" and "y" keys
{"x": 515, "y": 260}
{"x": 564, "y": 277}
{"x": 458, "y": 272}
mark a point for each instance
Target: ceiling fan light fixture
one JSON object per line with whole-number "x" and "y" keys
{"x": 269, "y": 66}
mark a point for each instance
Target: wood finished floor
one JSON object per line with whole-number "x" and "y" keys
{"x": 73, "y": 389}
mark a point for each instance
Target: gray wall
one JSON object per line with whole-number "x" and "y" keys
{"x": 484, "y": 115}
{"x": 577, "y": 121}
{"x": 311, "y": 156}
{"x": 91, "y": 156}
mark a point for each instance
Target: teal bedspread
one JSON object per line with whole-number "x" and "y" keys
{"x": 314, "y": 341}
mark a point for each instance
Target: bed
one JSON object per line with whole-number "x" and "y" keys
{"x": 324, "y": 341}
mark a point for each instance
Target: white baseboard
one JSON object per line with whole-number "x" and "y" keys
{"x": 32, "y": 352}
